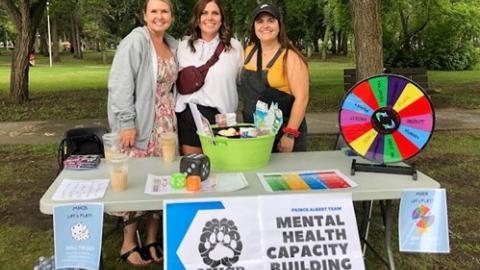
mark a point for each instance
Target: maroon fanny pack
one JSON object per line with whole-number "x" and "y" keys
{"x": 191, "y": 79}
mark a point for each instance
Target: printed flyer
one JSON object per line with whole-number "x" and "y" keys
{"x": 78, "y": 235}
{"x": 308, "y": 231}
{"x": 423, "y": 222}
{"x": 305, "y": 180}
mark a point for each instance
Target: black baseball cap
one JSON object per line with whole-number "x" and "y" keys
{"x": 267, "y": 8}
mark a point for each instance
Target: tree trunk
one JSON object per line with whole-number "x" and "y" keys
{"x": 76, "y": 43}
{"x": 70, "y": 39}
{"x": 315, "y": 45}
{"x": 44, "y": 43}
{"x": 102, "y": 46}
{"x": 345, "y": 43}
{"x": 20, "y": 68}
{"x": 309, "y": 50}
{"x": 334, "y": 43}
{"x": 340, "y": 35}
{"x": 367, "y": 29}
{"x": 26, "y": 17}
{"x": 73, "y": 42}
{"x": 78, "y": 53}
{"x": 325, "y": 40}
{"x": 55, "y": 40}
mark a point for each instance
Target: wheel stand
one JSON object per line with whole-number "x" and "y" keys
{"x": 383, "y": 168}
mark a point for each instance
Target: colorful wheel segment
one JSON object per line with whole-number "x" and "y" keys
{"x": 423, "y": 218}
{"x": 386, "y": 118}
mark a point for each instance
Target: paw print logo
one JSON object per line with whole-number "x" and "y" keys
{"x": 220, "y": 243}
{"x": 80, "y": 232}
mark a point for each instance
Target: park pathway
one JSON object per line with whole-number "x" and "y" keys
{"x": 48, "y": 132}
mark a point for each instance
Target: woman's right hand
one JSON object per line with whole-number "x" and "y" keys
{"x": 127, "y": 137}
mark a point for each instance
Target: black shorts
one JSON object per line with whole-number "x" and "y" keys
{"x": 187, "y": 131}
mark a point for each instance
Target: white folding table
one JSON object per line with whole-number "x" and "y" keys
{"x": 371, "y": 186}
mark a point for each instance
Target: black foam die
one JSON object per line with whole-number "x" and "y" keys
{"x": 195, "y": 164}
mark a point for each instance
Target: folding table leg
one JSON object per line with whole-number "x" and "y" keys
{"x": 100, "y": 267}
{"x": 386, "y": 226}
{"x": 367, "y": 207}
{"x": 388, "y": 232}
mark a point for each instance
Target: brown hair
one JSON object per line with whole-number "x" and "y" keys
{"x": 195, "y": 33}
{"x": 282, "y": 38}
{"x": 168, "y": 2}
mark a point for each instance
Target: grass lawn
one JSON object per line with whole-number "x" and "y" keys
{"x": 70, "y": 74}
{"x": 72, "y": 89}
{"x": 76, "y": 89}
{"x": 452, "y": 158}
{"x": 81, "y": 86}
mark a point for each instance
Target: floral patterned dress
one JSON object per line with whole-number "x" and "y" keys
{"x": 165, "y": 119}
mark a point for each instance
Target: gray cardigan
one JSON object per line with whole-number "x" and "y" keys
{"x": 132, "y": 84}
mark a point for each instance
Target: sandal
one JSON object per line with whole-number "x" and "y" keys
{"x": 124, "y": 256}
{"x": 158, "y": 251}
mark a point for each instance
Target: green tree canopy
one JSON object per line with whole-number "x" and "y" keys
{"x": 439, "y": 34}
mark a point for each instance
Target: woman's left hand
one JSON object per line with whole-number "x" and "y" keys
{"x": 285, "y": 144}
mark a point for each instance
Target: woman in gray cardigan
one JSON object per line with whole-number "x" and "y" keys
{"x": 141, "y": 108}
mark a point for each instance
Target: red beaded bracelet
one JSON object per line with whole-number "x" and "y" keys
{"x": 294, "y": 132}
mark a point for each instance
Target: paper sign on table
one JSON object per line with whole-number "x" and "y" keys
{"x": 218, "y": 182}
{"x": 305, "y": 180}
{"x": 81, "y": 190}
{"x": 423, "y": 221}
{"x": 78, "y": 235}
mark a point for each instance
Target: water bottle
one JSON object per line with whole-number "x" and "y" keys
{"x": 52, "y": 261}
{"x": 41, "y": 259}
{"x": 40, "y": 262}
{"x": 45, "y": 265}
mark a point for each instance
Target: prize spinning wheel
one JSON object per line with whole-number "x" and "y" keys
{"x": 386, "y": 118}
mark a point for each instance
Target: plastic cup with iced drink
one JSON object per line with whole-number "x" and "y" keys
{"x": 169, "y": 146}
{"x": 111, "y": 144}
{"x": 118, "y": 172}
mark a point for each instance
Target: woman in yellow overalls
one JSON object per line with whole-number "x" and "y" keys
{"x": 275, "y": 71}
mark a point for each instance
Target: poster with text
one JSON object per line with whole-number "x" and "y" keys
{"x": 423, "y": 221}
{"x": 310, "y": 232}
{"x": 267, "y": 232}
{"x": 78, "y": 235}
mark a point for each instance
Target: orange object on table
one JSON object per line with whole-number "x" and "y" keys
{"x": 194, "y": 183}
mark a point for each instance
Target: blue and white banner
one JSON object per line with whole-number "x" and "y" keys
{"x": 423, "y": 221}
{"x": 304, "y": 231}
{"x": 78, "y": 235}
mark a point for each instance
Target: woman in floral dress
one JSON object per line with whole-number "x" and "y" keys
{"x": 141, "y": 108}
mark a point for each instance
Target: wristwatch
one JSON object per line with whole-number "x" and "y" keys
{"x": 289, "y": 135}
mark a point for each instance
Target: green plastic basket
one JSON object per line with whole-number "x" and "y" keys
{"x": 238, "y": 154}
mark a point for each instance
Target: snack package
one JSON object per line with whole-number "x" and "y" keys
{"x": 270, "y": 118}
{"x": 81, "y": 162}
{"x": 202, "y": 123}
{"x": 263, "y": 131}
{"x": 226, "y": 120}
{"x": 277, "y": 121}
{"x": 267, "y": 120}
{"x": 248, "y": 132}
{"x": 260, "y": 114}
{"x": 207, "y": 128}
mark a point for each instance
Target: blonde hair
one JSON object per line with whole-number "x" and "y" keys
{"x": 168, "y": 2}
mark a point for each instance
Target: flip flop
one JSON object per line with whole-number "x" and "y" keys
{"x": 158, "y": 251}
{"x": 124, "y": 256}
